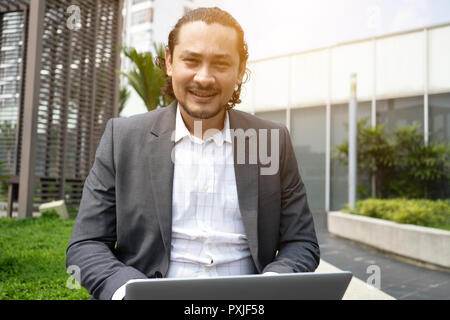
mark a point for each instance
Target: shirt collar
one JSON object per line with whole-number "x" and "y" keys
{"x": 219, "y": 138}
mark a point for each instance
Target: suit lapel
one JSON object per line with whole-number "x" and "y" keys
{"x": 247, "y": 175}
{"x": 160, "y": 169}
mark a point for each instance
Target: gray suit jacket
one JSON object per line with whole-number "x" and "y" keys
{"x": 123, "y": 227}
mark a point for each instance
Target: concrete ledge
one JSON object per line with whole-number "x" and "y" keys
{"x": 59, "y": 206}
{"x": 357, "y": 289}
{"x": 424, "y": 244}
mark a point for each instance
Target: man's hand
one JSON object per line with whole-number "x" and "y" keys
{"x": 120, "y": 293}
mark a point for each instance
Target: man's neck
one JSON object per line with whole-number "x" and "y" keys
{"x": 197, "y": 127}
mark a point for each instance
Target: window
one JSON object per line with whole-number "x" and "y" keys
{"x": 439, "y": 119}
{"x": 308, "y": 129}
{"x": 142, "y": 16}
{"x": 339, "y": 172}
{"x": 400, "y": 111}
{"x": 439, "y": 113}
{"x": 276, "y": 116}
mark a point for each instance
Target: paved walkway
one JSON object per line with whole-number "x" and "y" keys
{"x": 357, "y": 289}
{"x": 398, "y": 279}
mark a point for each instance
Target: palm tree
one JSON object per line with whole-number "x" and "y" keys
{"x": 160, "y": 50}
{"x": 146, "y": 78}
{"x": 124, "y": 94}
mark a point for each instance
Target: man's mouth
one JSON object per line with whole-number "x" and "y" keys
{"x": 203, "y": 93}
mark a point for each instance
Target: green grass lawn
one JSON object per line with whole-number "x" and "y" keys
{"x": 32, "y": 259}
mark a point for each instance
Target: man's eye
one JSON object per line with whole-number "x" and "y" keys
{"x": 222, "y": 64}
{"x": 190, "y": 61}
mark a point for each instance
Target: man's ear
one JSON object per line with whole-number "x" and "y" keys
{"x": 168, "y": 59}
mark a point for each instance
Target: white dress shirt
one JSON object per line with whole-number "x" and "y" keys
{"x": 208, "y": 235}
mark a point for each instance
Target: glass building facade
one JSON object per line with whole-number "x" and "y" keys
{"x": 339, "y": 172}
{"x": 440, "y": 117}
{"x": 308, "y": 137}
{"x": 400, "y": 112}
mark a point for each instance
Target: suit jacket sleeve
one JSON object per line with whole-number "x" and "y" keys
{"x": 93, "y": 239}
{"x": 298, "y": 249}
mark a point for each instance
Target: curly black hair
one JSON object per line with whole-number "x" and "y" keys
{"x": 209, "y": 16}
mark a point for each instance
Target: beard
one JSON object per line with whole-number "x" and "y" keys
{"x": 203, "y": 114}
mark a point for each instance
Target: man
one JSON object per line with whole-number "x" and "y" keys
{"x": 176, "y": 193}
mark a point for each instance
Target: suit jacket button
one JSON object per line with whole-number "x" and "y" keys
{"x": 158, "y": 274}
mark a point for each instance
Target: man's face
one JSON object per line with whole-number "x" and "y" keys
{"x": 204, "y": 68}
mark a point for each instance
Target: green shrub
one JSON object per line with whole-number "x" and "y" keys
{"x": 402, "y": 164}
{"x": 428, "y": 213}
{"x": 50, "y": 214}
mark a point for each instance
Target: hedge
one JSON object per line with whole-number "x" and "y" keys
{"x": 428, "y": 213}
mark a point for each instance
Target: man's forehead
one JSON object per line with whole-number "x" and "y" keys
{"x": 193, "y": 53}
{"x": 199, "y": 32}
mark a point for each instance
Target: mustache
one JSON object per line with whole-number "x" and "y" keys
{"x": 205, "y": 90}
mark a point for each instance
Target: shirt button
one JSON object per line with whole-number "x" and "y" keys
{"x": 205, "y": 188}
{"x": 209, "y": 246}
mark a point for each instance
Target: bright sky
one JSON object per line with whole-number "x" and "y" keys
{"x": 275, "y": 27}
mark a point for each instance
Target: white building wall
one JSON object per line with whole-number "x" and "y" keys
{"x": 400, "y": 65}
{"x": 439, "y": 59}
{"x": 271, "y": 84}
{"x": 399, "y": 72}
{"x": 347, "y": 59}
{"x": 309, "y": 76}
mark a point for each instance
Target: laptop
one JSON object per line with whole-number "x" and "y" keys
{"x": 289, "y": 286}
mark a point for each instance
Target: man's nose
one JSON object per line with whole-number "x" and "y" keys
{"x": 204, "y": 76}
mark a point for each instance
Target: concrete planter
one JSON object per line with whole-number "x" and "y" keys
{"x": 59, "y": 206}
{"x": 420, "y": 243}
